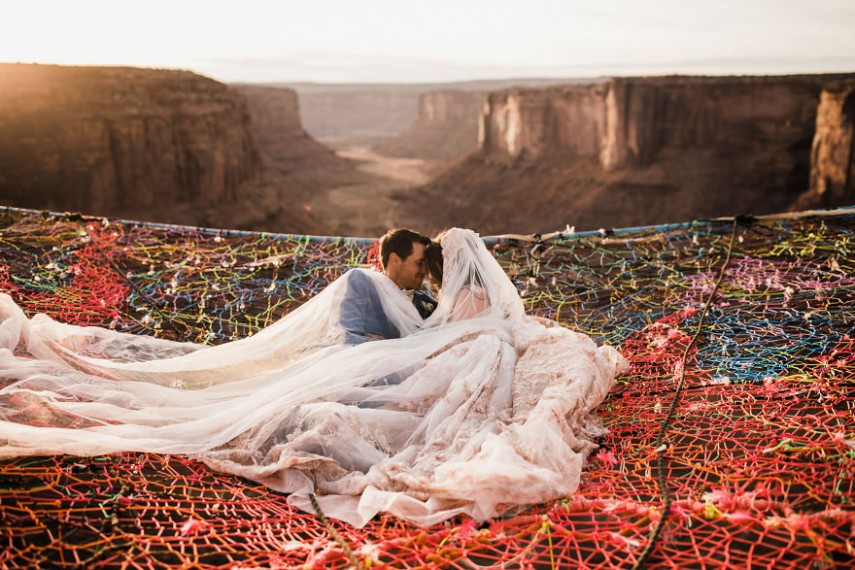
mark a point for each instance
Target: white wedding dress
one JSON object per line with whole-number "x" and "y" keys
{"x": 461, "y": 415}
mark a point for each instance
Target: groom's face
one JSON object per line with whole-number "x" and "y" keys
{"x": 410, "y": 272}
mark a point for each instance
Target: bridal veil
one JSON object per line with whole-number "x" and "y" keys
{"x": 460, "y": 415}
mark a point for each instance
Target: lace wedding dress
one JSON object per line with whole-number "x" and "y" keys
{"x": 461, "y": 415}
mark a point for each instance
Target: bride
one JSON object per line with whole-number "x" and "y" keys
{"x": 476, "y": 410}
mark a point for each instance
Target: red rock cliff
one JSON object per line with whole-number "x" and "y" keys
{"x": 628, "y": 121}
{"x": 377, "y": 111}
{"x": 645, "y": 116}
{"x": 643, "y": 150}
{"x": 276, "y": 123}
{"x": 113, "y": 140}
{"x": 832, "y": 174}
{"x": 297, "y": 168}
{"x": 446, "y": 128}
{"x": 534, "y": 123}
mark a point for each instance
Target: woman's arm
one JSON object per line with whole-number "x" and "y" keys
{"x": 470, "y": 302}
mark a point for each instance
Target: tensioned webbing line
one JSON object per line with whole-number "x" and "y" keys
{"x": 662, "y": 447}
{"x": 336, "y": 536}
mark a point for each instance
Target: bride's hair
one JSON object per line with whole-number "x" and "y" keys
{"x": 433, "y": 258}
{"x": 472, "y": 281}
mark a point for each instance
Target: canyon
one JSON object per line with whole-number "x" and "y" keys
{"x": 160, "y": 145}
{"x": 647, "y": 150}
{"x": 499, "y": 156}
{"x": 445, "y": 129}
{"x": 121, "y": 141}
{"x": 370, "y": 113}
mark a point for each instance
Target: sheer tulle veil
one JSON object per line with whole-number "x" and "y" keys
{"x": 470, "y": 270}
{"x": 460, "y": 415}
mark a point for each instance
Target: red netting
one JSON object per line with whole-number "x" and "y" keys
{"x": 759, "y": 454}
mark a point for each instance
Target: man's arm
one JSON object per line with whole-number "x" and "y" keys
{"x": 362, "y": 316}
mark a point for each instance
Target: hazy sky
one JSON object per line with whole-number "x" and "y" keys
{"x": 439, "y": 40}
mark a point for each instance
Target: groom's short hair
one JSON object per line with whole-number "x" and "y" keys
{"x": 399, "y": 241}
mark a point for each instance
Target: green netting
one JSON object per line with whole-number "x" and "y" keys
{"x": 745, "y": 328}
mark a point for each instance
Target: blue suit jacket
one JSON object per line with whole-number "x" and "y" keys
{"x": 424, "y": 303}
{"x": 362, "y": 315}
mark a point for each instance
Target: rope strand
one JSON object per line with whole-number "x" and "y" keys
{"x": 661, "y": 447}
{"x": 336, "y": 536}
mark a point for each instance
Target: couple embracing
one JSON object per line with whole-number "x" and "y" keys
{"x": 467, "y": 407}
{"x": 408, "y": 258}
{"x": 404, "y": 257}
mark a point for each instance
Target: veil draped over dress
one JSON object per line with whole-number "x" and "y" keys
{"x": 476, "y": 409}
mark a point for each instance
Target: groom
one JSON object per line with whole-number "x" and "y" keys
{"x": 402, "y": 253}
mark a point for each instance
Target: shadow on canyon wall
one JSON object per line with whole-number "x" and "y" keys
{"x": 498, "y": 156}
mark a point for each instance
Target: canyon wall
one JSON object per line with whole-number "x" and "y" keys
{"x": 297, "y": 168}
{"x": 273, "y": 110}
{"x": 356, "y": 111}
{"x": 446, "y": 128}
{"x": 108, "y": 141}
{"x": 832, "y": 175}
{"x": 536, "y": 123}
{"x": 277, "y": 125}
{"x": 645, "y": 116}
{"x": 647, "y": 150}
{"x": 378, "y": 111}
{"x": 627, "y": 122}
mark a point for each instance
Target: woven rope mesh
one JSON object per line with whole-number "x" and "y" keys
{"x": 746, "y": 328}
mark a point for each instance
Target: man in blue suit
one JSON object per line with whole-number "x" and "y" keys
{"x": 402, "y": 253}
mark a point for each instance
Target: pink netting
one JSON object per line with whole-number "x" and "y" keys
{"x": 758, "y": 460}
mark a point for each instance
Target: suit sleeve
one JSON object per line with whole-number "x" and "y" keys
{"x": 362, "y": 315}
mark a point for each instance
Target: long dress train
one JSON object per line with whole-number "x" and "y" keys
{"x": 461, "y": 415}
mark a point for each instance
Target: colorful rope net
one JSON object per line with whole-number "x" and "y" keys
{"x": 731, "y": 444}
